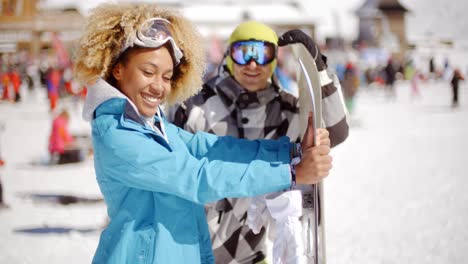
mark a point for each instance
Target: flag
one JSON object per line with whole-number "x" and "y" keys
{"x": 62, "y": 54}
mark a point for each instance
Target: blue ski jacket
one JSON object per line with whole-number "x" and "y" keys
{"x": 155, "y": 188}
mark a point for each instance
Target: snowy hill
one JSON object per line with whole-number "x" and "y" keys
{"x": 397, "y": 192}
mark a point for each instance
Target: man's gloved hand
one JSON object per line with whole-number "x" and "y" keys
{"x": 298, "y": 36}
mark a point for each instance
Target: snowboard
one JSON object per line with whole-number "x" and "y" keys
{"x": 310, "y": 100}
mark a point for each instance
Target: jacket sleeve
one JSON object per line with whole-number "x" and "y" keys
{"x": 333, "y": 108}
{"x": 200, "y": 167}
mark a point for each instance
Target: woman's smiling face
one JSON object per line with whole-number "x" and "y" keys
{"x": 144, "y": 76}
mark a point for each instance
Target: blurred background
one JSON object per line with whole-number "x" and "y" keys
{"x": 38, "y": 34}
{"x": 397, "y": 193}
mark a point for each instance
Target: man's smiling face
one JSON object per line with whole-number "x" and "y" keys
{"x": 252, "y": 76}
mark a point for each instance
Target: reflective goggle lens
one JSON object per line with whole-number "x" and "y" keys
{"x": 262, "y": 52}
{"x": 155, "y": 33}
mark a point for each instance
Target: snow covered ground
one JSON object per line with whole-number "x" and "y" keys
{"x": 397, "y": 193}
{"x": 398, "y": 190}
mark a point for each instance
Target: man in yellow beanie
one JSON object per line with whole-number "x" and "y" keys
{"x": 243, "y": 100}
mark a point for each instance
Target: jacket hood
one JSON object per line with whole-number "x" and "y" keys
{"x": 98, "y": 93}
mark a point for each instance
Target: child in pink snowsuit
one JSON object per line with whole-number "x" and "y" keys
{"x": 60, "y": 140}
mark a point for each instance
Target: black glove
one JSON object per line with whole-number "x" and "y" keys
{"x": 298, "y": 36}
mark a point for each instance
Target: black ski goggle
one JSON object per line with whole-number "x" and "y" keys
{"x": 244, "y": 51}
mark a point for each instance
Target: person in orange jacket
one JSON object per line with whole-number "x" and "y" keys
{"x": 54, "y": 77}
{"x": 15, "y": 80}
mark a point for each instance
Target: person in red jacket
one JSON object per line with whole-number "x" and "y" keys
{"x": 15, "y": 80}
{"x": 54, "y": 77}
{"x": 5, "y": 79}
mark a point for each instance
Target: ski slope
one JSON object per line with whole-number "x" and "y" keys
{"x": 397, "y": 192}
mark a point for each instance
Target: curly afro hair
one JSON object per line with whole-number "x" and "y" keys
{"x": 110, "y": 27}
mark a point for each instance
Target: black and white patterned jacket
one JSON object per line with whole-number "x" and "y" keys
{"x": 223, "y": 107}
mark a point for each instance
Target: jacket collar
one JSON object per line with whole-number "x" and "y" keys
{"x": 131, "y": 114}
{"x": 102, "y": 91}
{"x": 129, "y": 118}
{"x": 98, "y": 93}
{"x": 104, "y": 98}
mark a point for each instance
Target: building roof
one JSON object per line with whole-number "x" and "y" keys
{"x": 391, "y": 5}
{"x": 372, "y": 8}
{"x": 223, "y": 16}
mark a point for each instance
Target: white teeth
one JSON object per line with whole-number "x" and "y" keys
{"x": 151, "y": 99}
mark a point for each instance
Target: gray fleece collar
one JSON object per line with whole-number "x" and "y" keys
{"x": 97, "y": 94}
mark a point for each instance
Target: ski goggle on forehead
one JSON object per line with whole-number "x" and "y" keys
{"x": 153, "y": 34}
{"x": 244, "y": 51}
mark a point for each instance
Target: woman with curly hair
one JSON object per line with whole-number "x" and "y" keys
{"x": 155, "y": 177}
